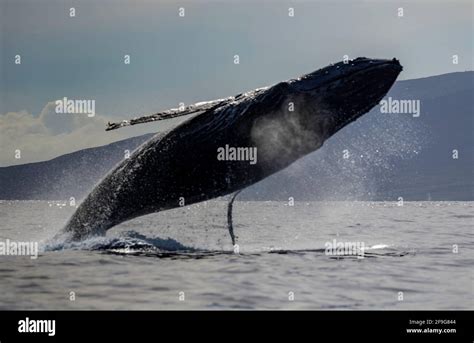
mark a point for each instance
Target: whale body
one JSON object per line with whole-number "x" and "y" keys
{"x": 283, "y": 123}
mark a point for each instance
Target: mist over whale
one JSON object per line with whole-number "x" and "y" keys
{"x": 283, "y": 122}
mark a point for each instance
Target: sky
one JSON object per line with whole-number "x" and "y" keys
{"x": 176, "y": 59}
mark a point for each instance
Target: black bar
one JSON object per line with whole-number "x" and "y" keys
{"x": 144, "y": 325}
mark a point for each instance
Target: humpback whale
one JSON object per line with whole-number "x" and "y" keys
{"x": 284, "y": 122}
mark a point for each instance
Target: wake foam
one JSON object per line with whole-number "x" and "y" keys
{"x": 132, "y": 243}
{"x": 128, "y": 243}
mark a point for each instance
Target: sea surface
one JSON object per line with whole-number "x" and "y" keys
{"x": 415, "y": 256}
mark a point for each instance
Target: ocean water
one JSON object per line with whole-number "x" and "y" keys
{"x": 415, "y": 256}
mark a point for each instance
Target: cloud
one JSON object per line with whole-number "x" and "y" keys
{"x": 49, "y": 134}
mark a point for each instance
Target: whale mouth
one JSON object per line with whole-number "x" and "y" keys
{"x": 346, "y": 91}
{"x": 359, "y": 88}
{"x": 329, "y": 77}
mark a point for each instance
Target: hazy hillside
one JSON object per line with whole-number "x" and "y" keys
{"x": 70, "y": 175}
{"x": 389, "y": 156}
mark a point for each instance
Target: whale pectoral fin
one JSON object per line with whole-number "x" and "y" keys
{"x": 229, "y": 216}
{"x": 197, "y": 108}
